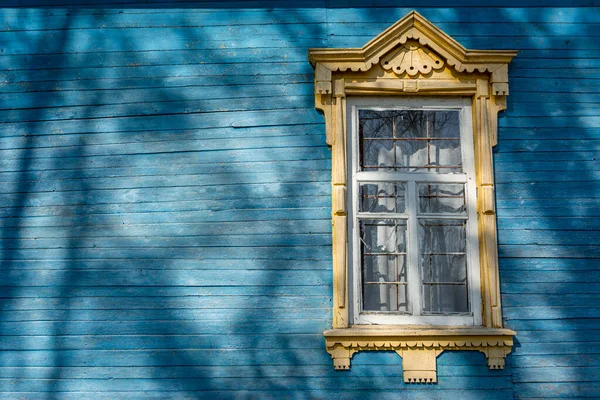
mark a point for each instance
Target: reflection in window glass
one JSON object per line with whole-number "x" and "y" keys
{"x": 443, "y": 261}
{"x": 410, "y": 140}
{"x": 442, "y": 198}
{"x": 382, "y": 197}
{"x": 384, "y": 274}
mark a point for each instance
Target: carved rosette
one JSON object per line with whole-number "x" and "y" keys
{"x": 412, "y": 59}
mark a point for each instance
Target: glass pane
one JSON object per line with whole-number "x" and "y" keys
{"x": 378, "y": 154}
{"x": 445, "y": 125}
{"x": 383, "y": 236}
{"x": 375, "y": 124}
{"x": 442, "y": 198}
{"x": 445, "y": 299}
{"x": 377, "y": 146}
{"x": 382, "y": 197}
{"x": 386, "y": 297}
{"x": 443, "y": 264}
{"x": 384, "y": 269}
{"x": 444, "y": 156}
{"x": 410, "y": 140}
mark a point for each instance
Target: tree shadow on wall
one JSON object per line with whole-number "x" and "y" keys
{"x": 166, "y": 201}
{"x": 140, "y": 166}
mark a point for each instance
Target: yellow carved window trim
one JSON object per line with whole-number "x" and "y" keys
{"x": 415, "y": 58}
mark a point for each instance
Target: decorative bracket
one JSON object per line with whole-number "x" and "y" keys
{"x": 419, "y": 348}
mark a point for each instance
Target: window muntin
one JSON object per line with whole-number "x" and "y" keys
{"x": 413, "y": 227}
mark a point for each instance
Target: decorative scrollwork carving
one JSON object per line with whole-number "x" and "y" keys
{"x": 412, "y": 59}
{"x": 419, "y": 353}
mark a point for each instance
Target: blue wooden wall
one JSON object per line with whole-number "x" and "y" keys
{"x": 165, "y": 201}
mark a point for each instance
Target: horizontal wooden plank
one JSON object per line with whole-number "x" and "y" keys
{"x": 149, "y": 277}
{"x": 556, "y": 374}
{"x": 544, "y": 156}
{"x": 548, "y": 145}
{"x": 315, "y": 383}
{"x": 575, "y": 211}
{"x": 46, "y": 105}
{"x": 200, "y": 145}
{"x": 565, "y": 324}
{"x": 191, "y": 306}
{"x": 549, "y": 301}
{"x": 88, "y": 139}
{"x": 554, "y": 349}
{"x": 265, "y": 371}
{"x": 40, "y": 19}
{"x": 198, "y": 315}
{"x": 556, "y": 176}
{"x": 526, "y": 336}
{"x": 333, "y": 394}
{"x": 146, "y": 242}
{"x": 216, "y": 192}
{"x": 41, "y": 328}
{"x": 470, "y": 42}
{"x": 252, "y": 69}
{"x": 157, "y": 107}
{"x": 562, "y": 360}
{"x": 552, "y": 251}
{"x": 239, "y": 119}
{"x": 550, "y": 223}
{"x": 554, "y": 288}
{"x": 168, "y": 170}
{"x": 560, "y": 122}
{"x": 179, "y": 217}
{"x": 548, "y": 264}
{"x": 548, "y": 237}
{"x": 73, "y": 291}
{"x": 556, "y": 190}
{"x": 189, "y": 253}
{"x": 162, "y": 159}
{"x": 267, "y": 227}
{"x": 546, "y": 312}
{"x": 551, "y": 276}
{"x": 294, "y": 202}
{"x": 115, "y": 91}
{"x": 529, "y": 64}
{"x": 541, "y": 108}
{"x": 564, "y": 390}
{"x": 468, "y": 13}
{"x": 149, "y": 39}
{"x": 546, "y": 166}
{"x": 157, "y": 182}
{"x": 476, "y": 29}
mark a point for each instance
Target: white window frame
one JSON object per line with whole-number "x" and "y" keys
{"x": 467, "y": 177}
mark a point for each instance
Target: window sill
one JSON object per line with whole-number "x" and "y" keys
{"x": 418, "y": 346}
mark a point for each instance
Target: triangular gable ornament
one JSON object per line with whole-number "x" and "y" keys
{"x": 414, "y": 38}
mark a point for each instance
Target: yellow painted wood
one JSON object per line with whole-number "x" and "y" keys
{"x": 418, "y": 346}
{"x": 413, "y": 57}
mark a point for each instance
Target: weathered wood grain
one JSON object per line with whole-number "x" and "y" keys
{"x": 165, "y": 200}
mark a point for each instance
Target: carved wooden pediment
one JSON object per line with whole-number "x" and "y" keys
{"x": 415, "y": 42}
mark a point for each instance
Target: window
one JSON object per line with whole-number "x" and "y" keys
{"x": 411, "y": 118}
{"x": 413, "y": 226}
